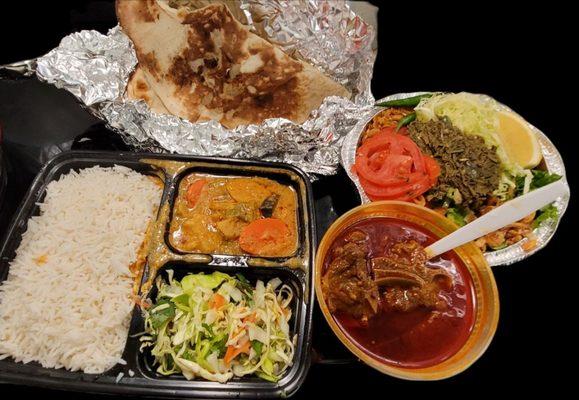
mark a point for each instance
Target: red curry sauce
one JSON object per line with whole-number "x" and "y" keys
{"x": 421, "y": 337}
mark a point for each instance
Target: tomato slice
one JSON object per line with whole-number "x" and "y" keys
{"x": 410, "y": 189}
{"x": 432, "y": 168}
{"x": 391, "y": 166}
{"x": 394, "y": 170}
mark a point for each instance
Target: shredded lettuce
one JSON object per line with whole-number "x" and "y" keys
{"x": 470, "y": 113}
{"x": 542, "y": 178}
{"x": 216, "y": 326}
{"x": 257, "y": 347}
{"x": 162, "y": 312}
{"x": 190, "y": 282}
{"x": 549, "y": 212}
{"x": 534, "y": 179}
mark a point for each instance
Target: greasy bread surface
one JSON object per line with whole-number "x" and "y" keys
{"x": 205, "y": 65}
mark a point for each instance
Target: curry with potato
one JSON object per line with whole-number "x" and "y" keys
{"x": 234, "y": 216}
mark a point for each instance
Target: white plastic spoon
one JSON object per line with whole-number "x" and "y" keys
{"x": 506, "y": 214}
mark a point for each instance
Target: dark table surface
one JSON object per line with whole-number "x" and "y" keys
{"x": 518, "y": 60}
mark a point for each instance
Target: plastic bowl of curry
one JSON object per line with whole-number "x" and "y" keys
{"x": 400, "y": 313}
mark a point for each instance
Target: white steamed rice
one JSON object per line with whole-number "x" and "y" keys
{"x": 66, "y": 302}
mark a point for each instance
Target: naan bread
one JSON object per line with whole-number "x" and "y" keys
{"x": 205, "y": 65}
{"x": 139, "y": 89}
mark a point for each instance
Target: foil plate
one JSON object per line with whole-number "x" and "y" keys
{"x": 327, "y": 34}
{"x": 509, "y": 255}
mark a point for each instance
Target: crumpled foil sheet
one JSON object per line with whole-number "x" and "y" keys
{"x": 327, "y": 34}
{"x": 95, "y": 68}
{"x": 508, "y": 255}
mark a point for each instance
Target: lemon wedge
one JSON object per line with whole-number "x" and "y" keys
{"x": 519, "y": 141}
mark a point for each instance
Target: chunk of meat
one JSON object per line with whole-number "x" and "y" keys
{"x": 346, "y": 284}
{"x": 406, "y": 299}
{"x": 407, "y": 256}
{"x": 194, "y": 235}
{"x": 408, "y": 281}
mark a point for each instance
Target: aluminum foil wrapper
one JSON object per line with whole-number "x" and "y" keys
{"x": 96, "y": 68}
{"x": 508, "y": 255}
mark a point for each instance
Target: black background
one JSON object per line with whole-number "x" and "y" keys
{"x": 522, "y": 57}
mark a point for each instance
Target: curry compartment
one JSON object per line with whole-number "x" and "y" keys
{"x": 247, "y": 386}
{"x": 216, "y": 208}
{"x": 138, "y": 376}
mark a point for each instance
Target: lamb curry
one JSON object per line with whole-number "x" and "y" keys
{"x": 396, "y": 305}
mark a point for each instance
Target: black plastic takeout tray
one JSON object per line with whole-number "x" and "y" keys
{"x": 145, "y": 380}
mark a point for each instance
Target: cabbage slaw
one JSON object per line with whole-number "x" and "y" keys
{"x": 216, "y": 326}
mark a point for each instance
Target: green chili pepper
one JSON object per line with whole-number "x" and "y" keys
{"x": 406, "y": 120}
{"x": 407, "y": 102}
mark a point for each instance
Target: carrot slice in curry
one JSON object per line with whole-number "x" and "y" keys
{"x": 194, "y": 191}
{"x": 265, "y": 236}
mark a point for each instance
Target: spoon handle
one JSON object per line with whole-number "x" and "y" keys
{"x": 504, "y": 215}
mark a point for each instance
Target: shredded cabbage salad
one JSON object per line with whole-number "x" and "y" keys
{"x": 217, "y": 326}
{"x": 475, "y": 115}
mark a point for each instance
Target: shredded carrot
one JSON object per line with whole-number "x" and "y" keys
{"x": 217, "y": 301}
{"x": 233, "y": 351}
{"x": 250, "y": 318}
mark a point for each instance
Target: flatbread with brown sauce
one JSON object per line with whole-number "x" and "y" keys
{"x": 205, "y": 65}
